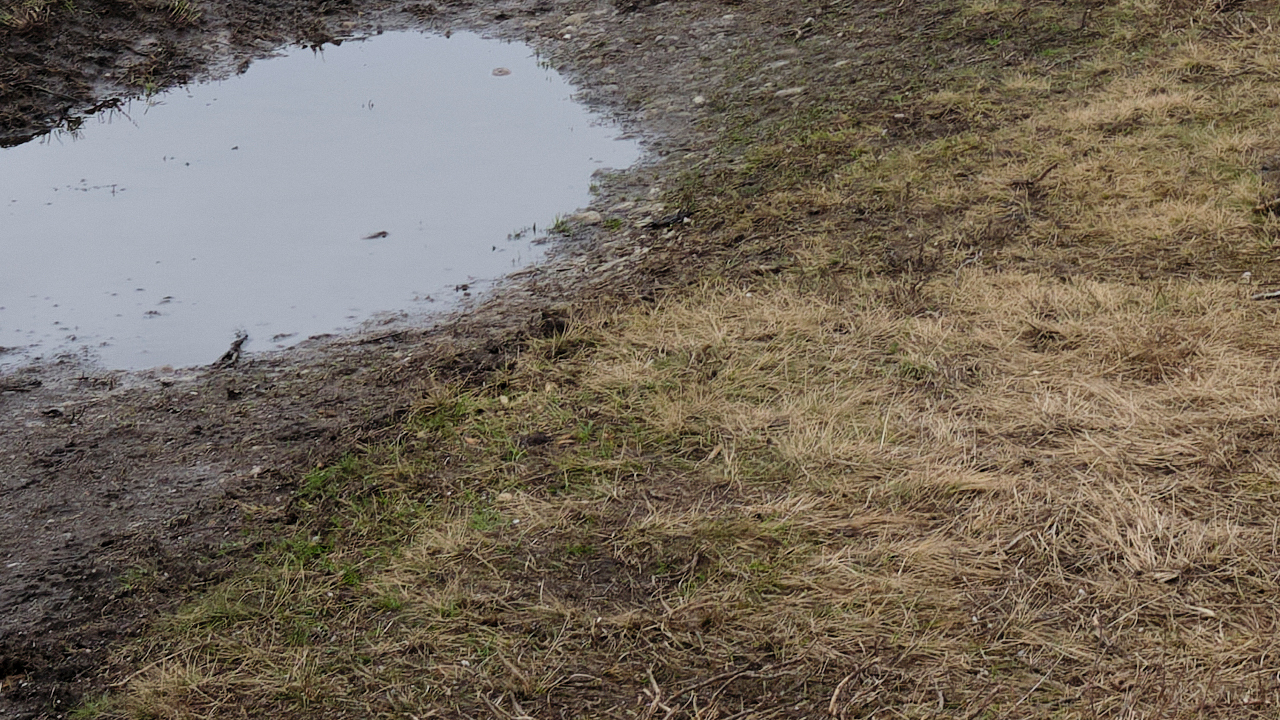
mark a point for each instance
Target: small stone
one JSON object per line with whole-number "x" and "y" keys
{"x": 588, "y": 217}
{"x": 789, "y": 92}
{"x": 699, "y": 100}
{"x": 577, "y": 18}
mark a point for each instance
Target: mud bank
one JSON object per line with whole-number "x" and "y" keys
{"x": 176, "y": 472}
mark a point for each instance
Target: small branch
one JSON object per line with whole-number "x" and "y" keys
{"x": 655, "y": 695}
{"x": 54, "y": 93}
{"x": 833, "y": 708}
{"x": 968, "y": 261}
{"x": 1269, "y": 207}
{"x": 1028, "y": 184}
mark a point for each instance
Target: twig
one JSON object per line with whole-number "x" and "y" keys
{"x": 731, "y": 675}
{"x": 54, "y": 93}
{"x": 766, "y": 713}
{"x": 495, "y": 708}
{"x": 1028, "y": 184}
{"x": 1269, "y": 295}
{"x": 395, "y": 335}
{"x": 656, "y": 695}
{"x": 832, "y": 707}
{"x": 1270, "y": 206}
{"x": 984, "y": 704}
{"x": 1040, "y": 682}
{"x": 968, "y": 261}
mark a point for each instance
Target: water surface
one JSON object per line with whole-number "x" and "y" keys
{"x": 308, "y": 194}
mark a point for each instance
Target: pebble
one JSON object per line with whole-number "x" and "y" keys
{"x": 699, "y": 100}
{"x": 588, "y": 217}
{"x": 789, "y": 92}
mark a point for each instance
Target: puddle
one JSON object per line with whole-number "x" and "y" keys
{"x": 305, "y": 196}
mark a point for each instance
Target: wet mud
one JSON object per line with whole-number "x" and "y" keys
{"x": 174, "y": 474}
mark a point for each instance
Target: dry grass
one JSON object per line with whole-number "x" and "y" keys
{"x": 26, "y": 15}
{"x": 1019, "y": 461}
{"x": 1124, "y": 162}
{"x": 23, "y": 16}
{"x": 1043, "y": 497}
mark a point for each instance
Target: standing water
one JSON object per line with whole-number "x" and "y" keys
{"x": 304, "y": 196}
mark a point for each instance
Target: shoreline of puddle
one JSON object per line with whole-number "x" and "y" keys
{"x": 468, "y": 293}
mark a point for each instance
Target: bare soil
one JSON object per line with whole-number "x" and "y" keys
{"x": 180, "y": 472}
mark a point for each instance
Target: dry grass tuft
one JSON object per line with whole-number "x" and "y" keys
{"x": 26, "y": 15}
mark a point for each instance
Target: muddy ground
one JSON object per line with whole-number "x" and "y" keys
{"x": 176, "y": 473}
{"x": 107, "y": 475}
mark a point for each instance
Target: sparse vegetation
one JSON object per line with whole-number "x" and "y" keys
{"x": 26, "y": 15}
{"x": 560, "y": 226}
{"x": 967, "y": 415}
{"x": 183, "y": 12}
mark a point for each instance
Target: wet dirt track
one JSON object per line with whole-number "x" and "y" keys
{"x": 105, "y": 474}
